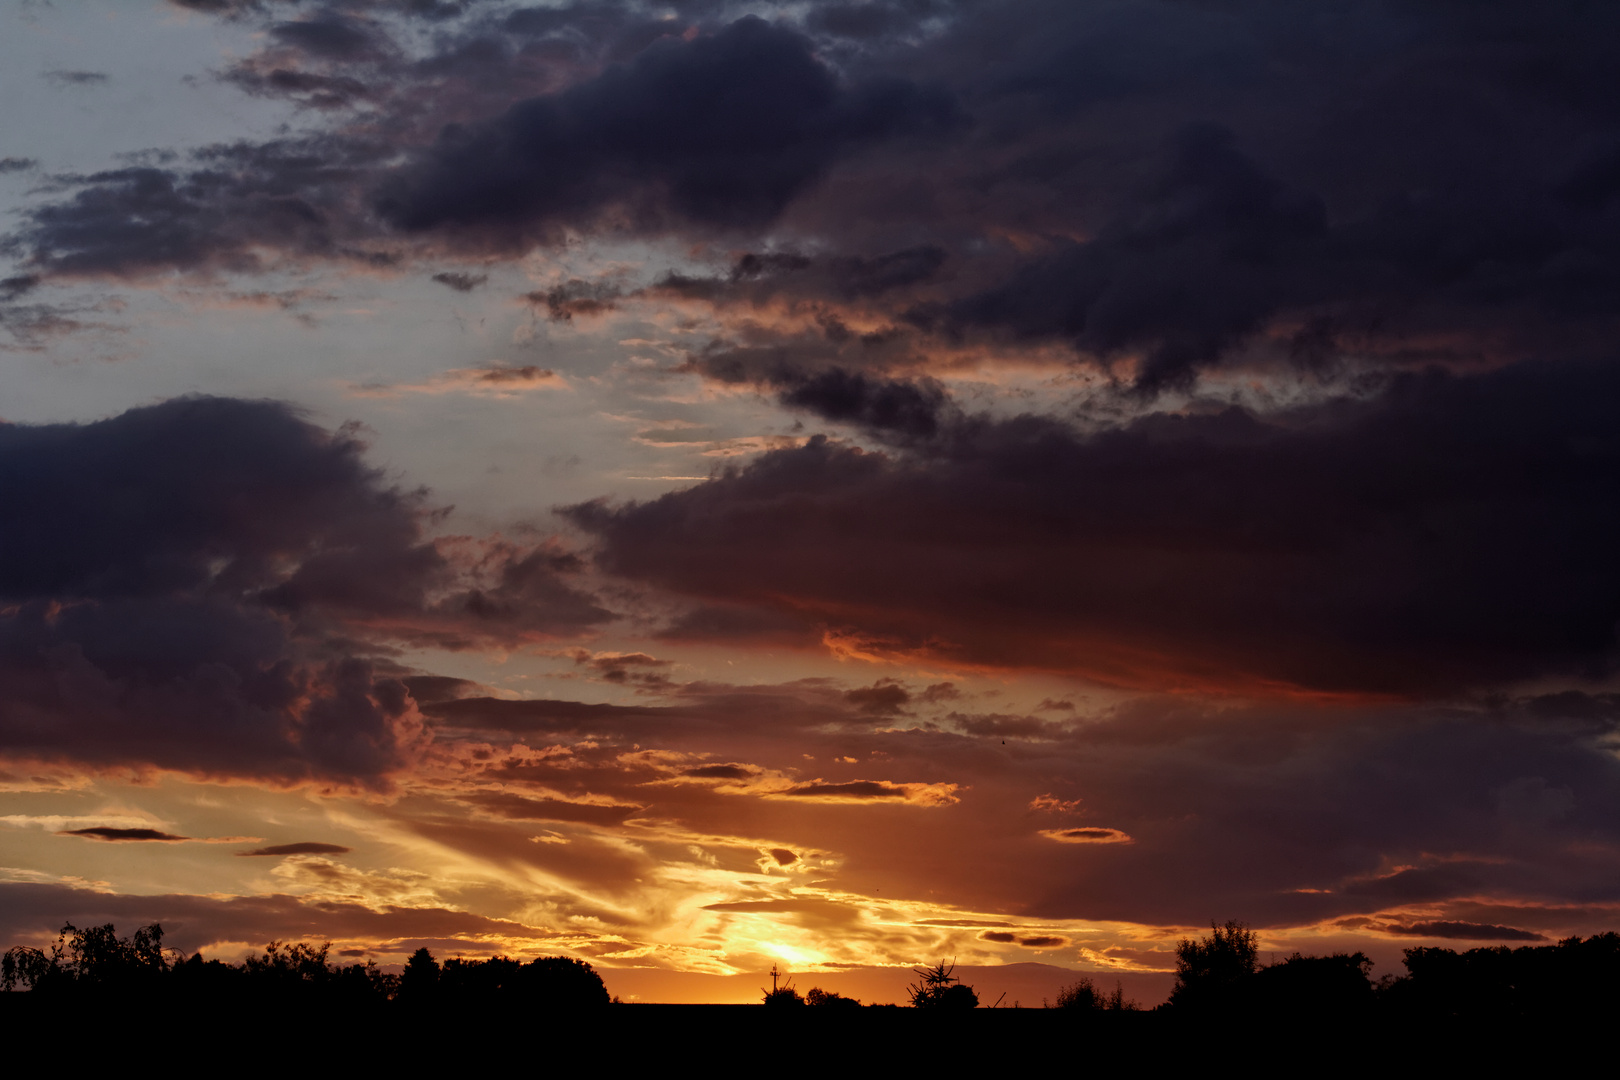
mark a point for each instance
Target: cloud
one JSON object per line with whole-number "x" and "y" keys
{"x": 303, "y": 847}
{"x": 721, "y": 772}
{"x": 1464, "y": 931}
{"x": 105, "y": 832}
{"x": 860, "y": 791}
{"x": 1035, "y": 941}
{"x": 329, "y": 36}
{"x": 758, "y": 118}
{"x": 900, "y": 190}
{"x": 75, "y": 78}
{"x": 521, "y": 808}
{"x": 1086, "y": 834}
{"x": 461, "y": 282}
{"x": 1442, "y": 533}
{"x": 494, "y": 381}
{"x": 195, "y": 581}
{"x": 886, "y": 697}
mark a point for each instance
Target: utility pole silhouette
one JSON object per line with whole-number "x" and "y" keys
{"x": 774, "y": 974}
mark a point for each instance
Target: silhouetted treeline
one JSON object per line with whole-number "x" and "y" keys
{"x": 95, "y": 963}
{"x": 1575, "y": 980}
{"x": 1218, "y": 977}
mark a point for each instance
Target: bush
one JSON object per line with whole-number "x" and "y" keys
{"x": 1083, "y": 995}
{"x": 937, "y": 988}
{"x": 818, "y": 996}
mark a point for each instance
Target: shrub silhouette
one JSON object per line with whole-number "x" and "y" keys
{"x": 937, "y": 988}
{"x": 818, "y": 996}
{"x": 552, "y": 982}
{"x": 786, "y": 997}
{"x": 1083, "y": 995}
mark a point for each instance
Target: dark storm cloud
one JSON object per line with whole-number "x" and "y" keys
{"x": 1162, "y": 188}
{"x": 107, "y": 832}
{"x": 16, "y": 164}
{"x": 303, "y": 847}
{"x": 1434, "y": 183}
{"x": 722, "y": 130}
{"x": 1186, "y": 279}
{"x": 189, "y": 585}
{"x": 718, "y": 131}
{"x": 1443, "y": 533}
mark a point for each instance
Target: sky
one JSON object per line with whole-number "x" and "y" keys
{"x": 700, "y": 486}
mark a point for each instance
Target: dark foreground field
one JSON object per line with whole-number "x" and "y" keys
{"x": 744, "y": 1039}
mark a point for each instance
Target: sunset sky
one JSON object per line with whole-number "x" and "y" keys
{"x": 696, "y": 486}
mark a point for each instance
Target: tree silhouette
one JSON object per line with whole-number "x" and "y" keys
{"x": 94, "y": 958}
{"x": 937, "y": 988}
{"x": 1209, "y": 971}
{"x": 420, "y": 979}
